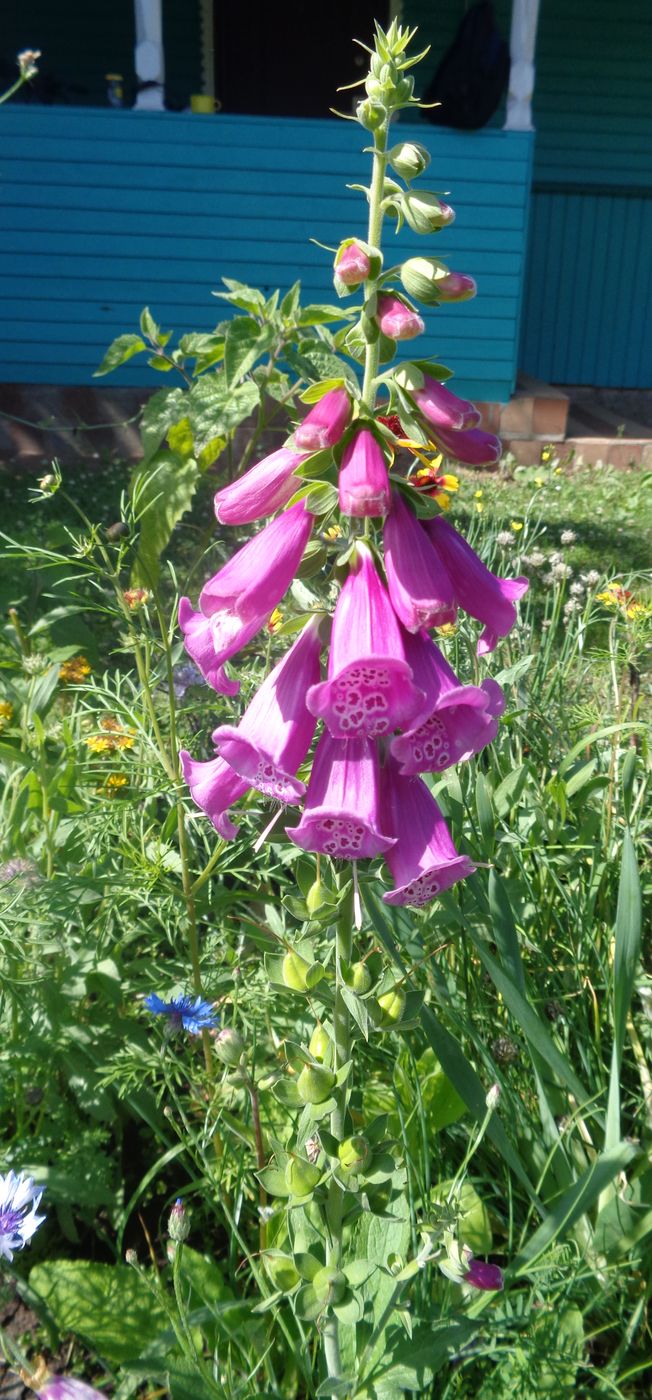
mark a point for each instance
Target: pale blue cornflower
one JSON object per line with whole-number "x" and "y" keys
{"x": 19, "y": 1202}
{"x": 182, "y": 1013}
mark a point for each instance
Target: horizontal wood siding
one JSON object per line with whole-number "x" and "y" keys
{"x": 102, "y": 212}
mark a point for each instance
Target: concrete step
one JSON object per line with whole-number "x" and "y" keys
{"x": 620, "y": 452}
{"x": 535, "y": 410}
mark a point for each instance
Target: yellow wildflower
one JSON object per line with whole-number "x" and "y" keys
{"x": 114, "y": 737}
{"x": 136, "y": 597}
{"x": 516, "y": 525}
{"x": 479, "y": 507}
{"x": 478, "y": 495}
{"x": 275, "y": 621}
{"x": 447, "y": 629}
{"x": 331, "y": 534}
{"x": 539, "y": 481}
{"x": 74, "y": 671}
{"x": 6, "y": 713}
{"x": 431, "y": 484}
{"x": 616, "y": 597}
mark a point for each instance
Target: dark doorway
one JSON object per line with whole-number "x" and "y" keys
{"x": 289, "y": 59}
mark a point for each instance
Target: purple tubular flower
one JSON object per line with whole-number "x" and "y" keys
{"x": 352, "y": 266}
{"x": 62, "y": 1388}
{"x": 420, "y": 589}
{"x": 487, "y": 1277}
{"x": 456, "y": 286}
{"x": 276, "y": 731}
{"x": 474, "y": 447}
{"x": 443, "y": 409}
{"x": 457, "y": 720}
{"x": 240, "y": 598}
{"x": 363, "y": 481}
{"x": 341, "y": 814}
{"x": 369, "y": 688}
{"x": 325, "y": 423}
{"x": 482, "y": 594}
{"x": 262, "y": 490}
{"x": 214, "y": 786}
{"x": 198, "y": 641}
{"x": 423, "y": 862}
{"x": 396, "y": 319}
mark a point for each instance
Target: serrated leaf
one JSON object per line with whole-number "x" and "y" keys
{"x": 180, "y": 439}
{"x": 215, "y": 410}
{"x": 320, "y": 315}
{"x": 244, "y": 343}
{"x": 165, "y": 490}
{"x": 119, "y": 351}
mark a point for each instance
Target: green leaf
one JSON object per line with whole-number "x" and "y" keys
{"x": 119, "y": 351}
{"x": 574, "y": 1203}
{"x": 504, "y": 930}
{"x": 150, "y": 330}
{"x": 627, "y": 952}
{"x": 215, "y": 410}
{"x": 413, "y": 1362}
{"x": 160, "y": 412}
{"x": 242, "y": 296}
{"x": 108, "y": 1305}
{"x": 474, "y": 1224}
{"x": 318, "y": 390}
{"x": 245, "y": 342}
{"x": 165, "y": 490}
{"x": 274, "y": 1181}
{"x": 320, "y": 315}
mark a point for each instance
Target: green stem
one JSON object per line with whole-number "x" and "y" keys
{"x": 373, "y": 238}
{"x": 342, "y": 1043}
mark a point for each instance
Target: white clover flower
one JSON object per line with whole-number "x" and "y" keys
{"x": 561, "y": 571}
{"x": 19, "y": 1202}
{"x": 591, "y": 579}
{"x": 568, "y": 537}
{"x": 536, "y": 559}
{"x": 572, "y": 606}
{"x": 505, "y": 539}
{"x": 28, "y": 62}
{"x": 577, "y": 589}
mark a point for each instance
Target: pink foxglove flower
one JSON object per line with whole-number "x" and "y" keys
{"x": 352, "y": 266}
{"x": 456, "y": 286}
{"x": 443, "y": 409}
{"x": 457, "y": 720}
{"x": 240, "y": 598}
{"x": 363, "y": 482}
{"x": 199, "y": 644}
{"x": 67, "y": 1388}
{"x": 214, "y": 786}
{"x": 420, "y": 589}
{"x": 474, "y": 447}
{"x": 369, "y": 688}
{"x": 396, "y": 319}
{"x": 263, "y": 489}
{"x": 276, "y": 731}
{"x": 482, "y": 594}
{"x": 325, "y": 423}
{"x": 341, "y": 814}
{"x": 423, "y": 862}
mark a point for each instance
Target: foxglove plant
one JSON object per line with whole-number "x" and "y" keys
{"x": 388, "y": 709}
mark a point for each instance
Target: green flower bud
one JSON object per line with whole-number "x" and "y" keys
{"x": 409, "y": 159}
{"x": 319, "y": 1043}
{"x": 178, "y": 1222}
{"x": 361, "y": 978}
{"x": 329, "y": 1285}
{"x": 392, "y": 1005}
{"x": 282, "y": 1271}
{"x": 229, "y": 1046}
{"x": 371, "y": 115}
{"x": 315, "y": 1083}
{"x": 421, "y": 276}
{"x": 425, "y": 212}
{"x": 295, "y": 969}
{"x": 314, "y": 897}
{"x": 354, "y": 1153}
{"x": 301, "y": 1176}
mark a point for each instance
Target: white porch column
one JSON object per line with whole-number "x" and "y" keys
{"x": 525, "y": 14}
{"x": 149, "y": 57}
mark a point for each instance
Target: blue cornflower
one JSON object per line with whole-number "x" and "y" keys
{"x": 17, "y": 1222}
{"x": 183, "y": 1014}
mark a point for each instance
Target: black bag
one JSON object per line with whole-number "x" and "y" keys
{"x": 473, "y": 73}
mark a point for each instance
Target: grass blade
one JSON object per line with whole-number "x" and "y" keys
{"x": 626, "y": 955}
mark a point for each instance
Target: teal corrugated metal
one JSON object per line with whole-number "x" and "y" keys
{"x": 588, "y": 290}
{"x": 102, "y": 214}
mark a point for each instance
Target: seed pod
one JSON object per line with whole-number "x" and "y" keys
{"x": 301, "y": 1176}
{"x": 392, "y": 1005}
{"x": 329, "y": 1285}
{"x": 319, "y": 1043}
{"x": 295, "y": 969}
{"x": 354, "y": 1153}
{"x": 282, "y": 1271}
{"x": 361, "y": 978}
{"x": 315, "y": 1083}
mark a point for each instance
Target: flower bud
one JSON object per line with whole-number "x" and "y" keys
{"x": 282, "y": 1271}
{"x": 295, "y": 969}
{"x": 409, "y": 159}
{"x": 329, "y": 1285}
{"x": 131, "y": 1258}
{"x": 301, "y": 1177}
{"x": 363, "y": 483}
{"x": 421, "y": 278}
{"x": 361, "y": 978}
{"x": 443, "y": 409}
{"x": 354, "y": 1153}
{"x": 425, "y": 212}
{"x": 315, "y": 1083}
{"x": 493, "y": 1097}
{"x": 315, "y": 897}
{"x": 392, "y": 1005}
{"x": 229, "y": 1046}
{"x": 319, "y": 1043}
{"x": 397, "y": 319}
{"x": 456, "y": 286}
{"x": 352, "y": 265}
{"x": 371, "y": 115}
{"x": 178, "y": 1222}
{"x": 117, "y": 531}
{"x": 487, "y": 1277}
{"x": 323, "y": 426}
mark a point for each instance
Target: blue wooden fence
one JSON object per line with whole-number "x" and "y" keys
{"x": 102, "y": 212}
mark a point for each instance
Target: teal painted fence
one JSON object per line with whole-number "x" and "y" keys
{"x": 103, "y": 211}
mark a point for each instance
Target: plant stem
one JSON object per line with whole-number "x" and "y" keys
{"x": 372, "y": 352}
{"x": 342, "y": 1042}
